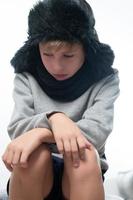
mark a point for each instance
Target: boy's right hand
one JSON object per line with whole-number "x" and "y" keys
{"x": 20, "y": 148}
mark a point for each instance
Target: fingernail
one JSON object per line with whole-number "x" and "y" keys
{"x": 76, "y": 164}
{"x": 82, "y": 157}
{"x": 24, "y": 165}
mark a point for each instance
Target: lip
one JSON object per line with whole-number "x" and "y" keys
{"x": 60, "y": 76}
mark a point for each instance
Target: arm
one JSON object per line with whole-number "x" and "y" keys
{"x": 97, "y": 121}
{"x": 20, "y": 148}
{"x": 24, "y": 117}
{"x": 27, "y": 130}
{"x": 95, "y": 124}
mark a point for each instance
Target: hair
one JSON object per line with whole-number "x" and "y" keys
{"x": 57, "y": 44}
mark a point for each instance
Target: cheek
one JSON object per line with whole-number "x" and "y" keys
{"x": 76, "y": 65}
{"x": 47, "y": 65}
{"x": 42, "y": 59}
{"x": 45, "y": 62}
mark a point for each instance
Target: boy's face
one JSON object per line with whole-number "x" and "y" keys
{"x": 62, "y": 60}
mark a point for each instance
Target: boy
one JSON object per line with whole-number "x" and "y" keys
{"x": 64, "y": 94}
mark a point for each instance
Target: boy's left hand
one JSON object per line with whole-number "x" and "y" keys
{"x": 69, "y": 139}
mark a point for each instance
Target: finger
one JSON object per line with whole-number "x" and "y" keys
{"x": 16, "y": 158}
{"x": 5, "y": 158}
{"x": 60, "y": 146}
{"x": 9, "y": 167}
{"x": 75, "y": 153}
{"x": 9, "y": 157}
{"x": 67, "y": 148}
{"x": 88, "y": 144}
{"x": 24, "y": 158}
{"x": 82, "y": 147}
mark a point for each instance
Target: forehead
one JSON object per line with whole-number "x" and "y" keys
{"x": 60, "y": 45}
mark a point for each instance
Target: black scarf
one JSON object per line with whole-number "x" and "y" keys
{"x": 65, "y": 90}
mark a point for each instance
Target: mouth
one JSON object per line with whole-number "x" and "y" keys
{"x": 60, "y": 76}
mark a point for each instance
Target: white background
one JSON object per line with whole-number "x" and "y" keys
{"x": 114, "y": 24}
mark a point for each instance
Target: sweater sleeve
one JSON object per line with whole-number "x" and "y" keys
{"x": 97, "y": 121}
{"x": 24, "y": 117}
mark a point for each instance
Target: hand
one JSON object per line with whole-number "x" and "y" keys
{"x": 19, "y": 150}
{"x": 69, "y": 139}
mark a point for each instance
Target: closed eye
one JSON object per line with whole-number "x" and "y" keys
{"x": 47, "y": 54}
{"x": 68, "y": 56}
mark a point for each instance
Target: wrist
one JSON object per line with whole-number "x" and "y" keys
{"x": 55, "y": 115}
{"x": 45, "y": 135}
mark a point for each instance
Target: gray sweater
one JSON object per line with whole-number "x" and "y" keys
{"x": 92, "y": 112}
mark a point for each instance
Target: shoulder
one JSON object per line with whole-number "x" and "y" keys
{"x": 107, "y": 87}
{"x": 111, "y": 80}
{"x": 112, "y": 77}
{"x": 25, "y": 82}
{"x": 24, "y": 78}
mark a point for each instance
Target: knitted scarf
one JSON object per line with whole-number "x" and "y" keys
{"x": 65, "y": 90}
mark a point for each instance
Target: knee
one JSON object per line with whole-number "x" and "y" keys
{"x": 92, "y": 164}
{"x": 37, "y": 163}
{"x": 87, "y": 169}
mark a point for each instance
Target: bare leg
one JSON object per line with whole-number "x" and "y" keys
{"x": 66, "y": 186}
{"x": 34, "y": 182}
{"x": 85, "y": 181}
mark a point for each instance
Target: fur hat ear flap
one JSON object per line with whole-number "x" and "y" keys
{"x": 23, "y": 59}
{"x": 20, "y": 59}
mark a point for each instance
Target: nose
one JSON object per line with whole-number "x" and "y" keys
{"x": 58, "y": 66}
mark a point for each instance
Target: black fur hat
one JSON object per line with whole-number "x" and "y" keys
{"x": 68, "y": 20}
{"x": 65, "y": 20}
